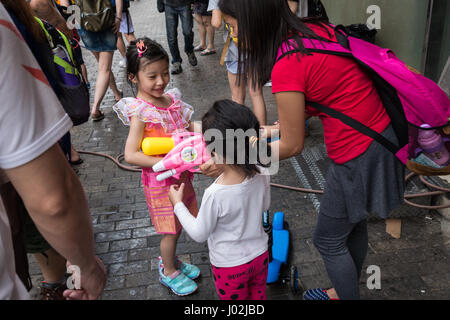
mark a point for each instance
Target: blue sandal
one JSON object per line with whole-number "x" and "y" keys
{"x": 180, "y": 284}
{"x": 189, "y": 270}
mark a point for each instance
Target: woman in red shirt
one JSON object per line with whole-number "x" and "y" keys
{"x": 364, "y": 177}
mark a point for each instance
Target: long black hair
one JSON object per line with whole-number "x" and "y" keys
{"x": 263, "y": 26}
{"x": 237, "y": 133}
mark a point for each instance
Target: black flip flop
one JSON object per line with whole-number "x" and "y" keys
{"x": 99, "y": 117}
{"x": 207, "y": 52}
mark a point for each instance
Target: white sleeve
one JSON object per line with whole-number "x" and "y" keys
{"x": 267, "y": 195}
{"x": 213, "y": 5}
{"x": 201, "y": 227}
{"x": 265, "y": 176}
{"x": 31, "y": 116}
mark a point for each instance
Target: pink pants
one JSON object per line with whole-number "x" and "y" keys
{"x": 244, "y": 282}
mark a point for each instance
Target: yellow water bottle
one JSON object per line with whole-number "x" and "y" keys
{"x": 157, "y": 146}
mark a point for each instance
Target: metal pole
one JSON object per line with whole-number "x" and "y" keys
{"x": 427, "y": 36}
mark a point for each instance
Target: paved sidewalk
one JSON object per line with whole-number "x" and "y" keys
{"x": 413, "y": 267}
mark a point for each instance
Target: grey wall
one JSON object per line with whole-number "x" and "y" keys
{"x": 403, "y": 23}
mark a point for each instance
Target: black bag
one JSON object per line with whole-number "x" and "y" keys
{"x": 74, "y": 98}
{"x": 317, "y": 9}
{"x": 361, "y": 31}
{"x": 160, "y": 5}
{"x": 96, "y": 15}
{"x": 10, "y": 198}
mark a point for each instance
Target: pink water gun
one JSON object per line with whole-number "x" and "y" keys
{"x": 189, "y": 153}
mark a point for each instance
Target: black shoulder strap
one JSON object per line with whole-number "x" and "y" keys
{"x": 358, "y": 126}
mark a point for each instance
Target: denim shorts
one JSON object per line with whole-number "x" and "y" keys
{"x": 98, "y": 41}
{"x": 232, "y": 58}
{"x": 232, "y": 66}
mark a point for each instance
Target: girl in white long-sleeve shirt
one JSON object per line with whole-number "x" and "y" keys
{"x": 230, "y": 216}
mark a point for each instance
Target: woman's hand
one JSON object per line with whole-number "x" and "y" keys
{"x": 211, "y": 169}
{"x": 116, "y": 25}
{"x": 92, "y": 280}
{"x": 118, "y": 18}
{"x": 268, "y": 131}
{"x": 176, "y": 193}
{"x": 291, "y": 112}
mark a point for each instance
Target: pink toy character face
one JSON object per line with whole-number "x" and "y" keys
{"x": 153, "y": 78}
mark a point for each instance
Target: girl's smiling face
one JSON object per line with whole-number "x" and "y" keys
{"x": 153, "y": 78}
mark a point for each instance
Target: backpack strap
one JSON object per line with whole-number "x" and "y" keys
{"x": 70, "y": 69}
{"x": 358, "y": 126}
{"x": 337, "y": 48}
{"x": 47, "y": 35}
{"x": 68, "y": 46}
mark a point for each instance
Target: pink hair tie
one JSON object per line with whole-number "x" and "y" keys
{"x": 141, "y": 48}
{"x": 78, "y": 43}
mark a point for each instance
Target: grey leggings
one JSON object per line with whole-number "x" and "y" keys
{"x": 343, "y": 247}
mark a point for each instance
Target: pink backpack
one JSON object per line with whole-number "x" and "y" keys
{"x": 419, "y": 109}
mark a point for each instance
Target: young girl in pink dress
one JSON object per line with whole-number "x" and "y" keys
{"x": 157, "y": 113}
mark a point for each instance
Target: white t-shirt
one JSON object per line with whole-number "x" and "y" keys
{"x": 31, "y": 121}
{"x": 230, "y": 218}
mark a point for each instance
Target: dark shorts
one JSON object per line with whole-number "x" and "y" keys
{"x": 98, "y": 41}
{"x": 34, "y": 241}
{"x": 201, "y": 9}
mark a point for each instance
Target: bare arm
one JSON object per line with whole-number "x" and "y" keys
{"x": 133, "y": 154}
{"x": 45, "y": 10}
{"x": 291, "y": 111}
{"x": 118, "y": 19}
{"x": 293, "y": 5}
{"x": 119, "y": 8}
{"x": 195, "y": 126}
{"x": 216, "y": 20}
{"x": 56, "y": 201}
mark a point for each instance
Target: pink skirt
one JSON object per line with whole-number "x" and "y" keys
{"x": 157, "y": 196}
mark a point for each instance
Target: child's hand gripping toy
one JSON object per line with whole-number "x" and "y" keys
{"x": 188, "y": 152}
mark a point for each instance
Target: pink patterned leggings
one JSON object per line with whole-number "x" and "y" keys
{"x": 244, "y": 282}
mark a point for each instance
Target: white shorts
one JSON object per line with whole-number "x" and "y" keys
{"x": 126, "y": 25}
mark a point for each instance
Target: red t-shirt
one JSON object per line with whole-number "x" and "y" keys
{"x": 339, "y": 83}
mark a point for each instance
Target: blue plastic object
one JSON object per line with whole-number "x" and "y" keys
{"x": 280, "y": 247}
